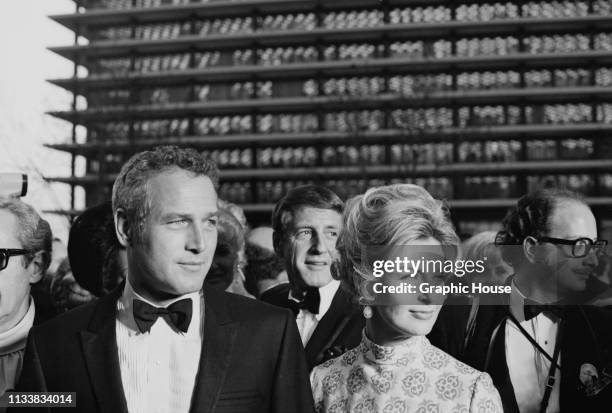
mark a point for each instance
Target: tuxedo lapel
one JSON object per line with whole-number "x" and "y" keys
{"x": 566, "y": 387}
{"x": 99, "y": 344}
{"x": 498, "y": 363}
{"x": 498, "y": 369}
{"x": 219, "y": 336}
{"x": 277, "y": 295}
{"x": 578, "y": 346}
{"x": 486, "y": 350}
{"x": 330, "y": 326}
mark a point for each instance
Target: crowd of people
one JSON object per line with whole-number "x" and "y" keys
{"x": 165, "y": 300}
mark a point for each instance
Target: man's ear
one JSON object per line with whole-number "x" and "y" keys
{"x": 276, "y": 243}
{"x": 122, "y": 228}
{"x": 38, "y": 265}
{"x": 530, "y": 249}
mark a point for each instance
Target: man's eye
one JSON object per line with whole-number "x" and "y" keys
{"x": 304, "y": 234}
{"x": 332, "y": 234}
{"x": 178, "y": 222}
{"x": 211, "y": 222}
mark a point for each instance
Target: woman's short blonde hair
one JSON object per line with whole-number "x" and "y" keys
{"x": 387, "y": 216}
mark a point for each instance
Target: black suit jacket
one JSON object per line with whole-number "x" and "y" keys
{"x": 251, "y": 358}
{"x": 586, "y": 339}
{"x": 338, "y": 331}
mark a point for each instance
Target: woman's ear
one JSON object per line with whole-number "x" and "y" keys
{"x": 122, "y": 228}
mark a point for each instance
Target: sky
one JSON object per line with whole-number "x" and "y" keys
{"x": 25, "y": 96}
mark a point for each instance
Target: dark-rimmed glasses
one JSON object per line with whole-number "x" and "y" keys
{"x": 6, "y": 253}
{"x": 581, "y": 246}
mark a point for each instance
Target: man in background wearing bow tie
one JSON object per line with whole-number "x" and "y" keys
{"x": 306, "y": 225}
{"x": 535, "y": 342}
{"x": 160, "y": 343}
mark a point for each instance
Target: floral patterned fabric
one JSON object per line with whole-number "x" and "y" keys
{"x": 413, "y": 377}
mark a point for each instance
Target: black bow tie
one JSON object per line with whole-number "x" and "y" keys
{"x": 310, "y": 301}
{"x": 177, "y": 314}
{"x": 533, "y": 309}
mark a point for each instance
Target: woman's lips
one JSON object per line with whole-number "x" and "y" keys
{"x": 422, "y": 314}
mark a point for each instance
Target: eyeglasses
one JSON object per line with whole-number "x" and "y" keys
{"x": 6, "y": 253}
{"x": 581, "y": 246}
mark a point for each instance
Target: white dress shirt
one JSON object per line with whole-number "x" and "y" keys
{"x": 527, "y": 366}
{"x": 159, "y": 367}
{"x": 306, "y": 321}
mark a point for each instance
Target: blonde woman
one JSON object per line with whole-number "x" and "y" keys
{"x": 395, "y": 368}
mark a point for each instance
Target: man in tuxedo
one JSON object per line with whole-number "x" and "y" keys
{"x": 543, "y": 351}
{"x": 306, "y": 225}
{"x": 160, "y": 342}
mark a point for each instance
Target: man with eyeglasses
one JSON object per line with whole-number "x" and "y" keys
{"x": 544, "y": 352}
{"x": 25, "y": 254}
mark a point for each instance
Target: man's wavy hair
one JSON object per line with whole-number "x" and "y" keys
{"x": 388, "y": 216}
{"x": 530, "y": 217}
{"x": 306, "y": 196}
{"x": 130, "y": 190}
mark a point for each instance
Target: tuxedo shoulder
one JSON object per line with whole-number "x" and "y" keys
{"x": 73, "y": 320}
{"x": 244, "y": 308}
{"x": 595, "y": 319}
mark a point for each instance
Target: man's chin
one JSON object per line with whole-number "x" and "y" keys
{"x": 581, "y": 285}
{"x": 188, "y": 287}
{"x": 317, "y": 279}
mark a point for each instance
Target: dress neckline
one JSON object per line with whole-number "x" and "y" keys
{"x": 403, "y": 351}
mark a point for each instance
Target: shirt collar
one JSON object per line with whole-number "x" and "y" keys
{"x": 326, "y": 293}
{"x": 125, "y": 308}
{"x": 400, "y": 354}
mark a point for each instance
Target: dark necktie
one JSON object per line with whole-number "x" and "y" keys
{"x": 177, "y": 314}
{"x": 533, "y": 309}
{"x": 310, "y": 301}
